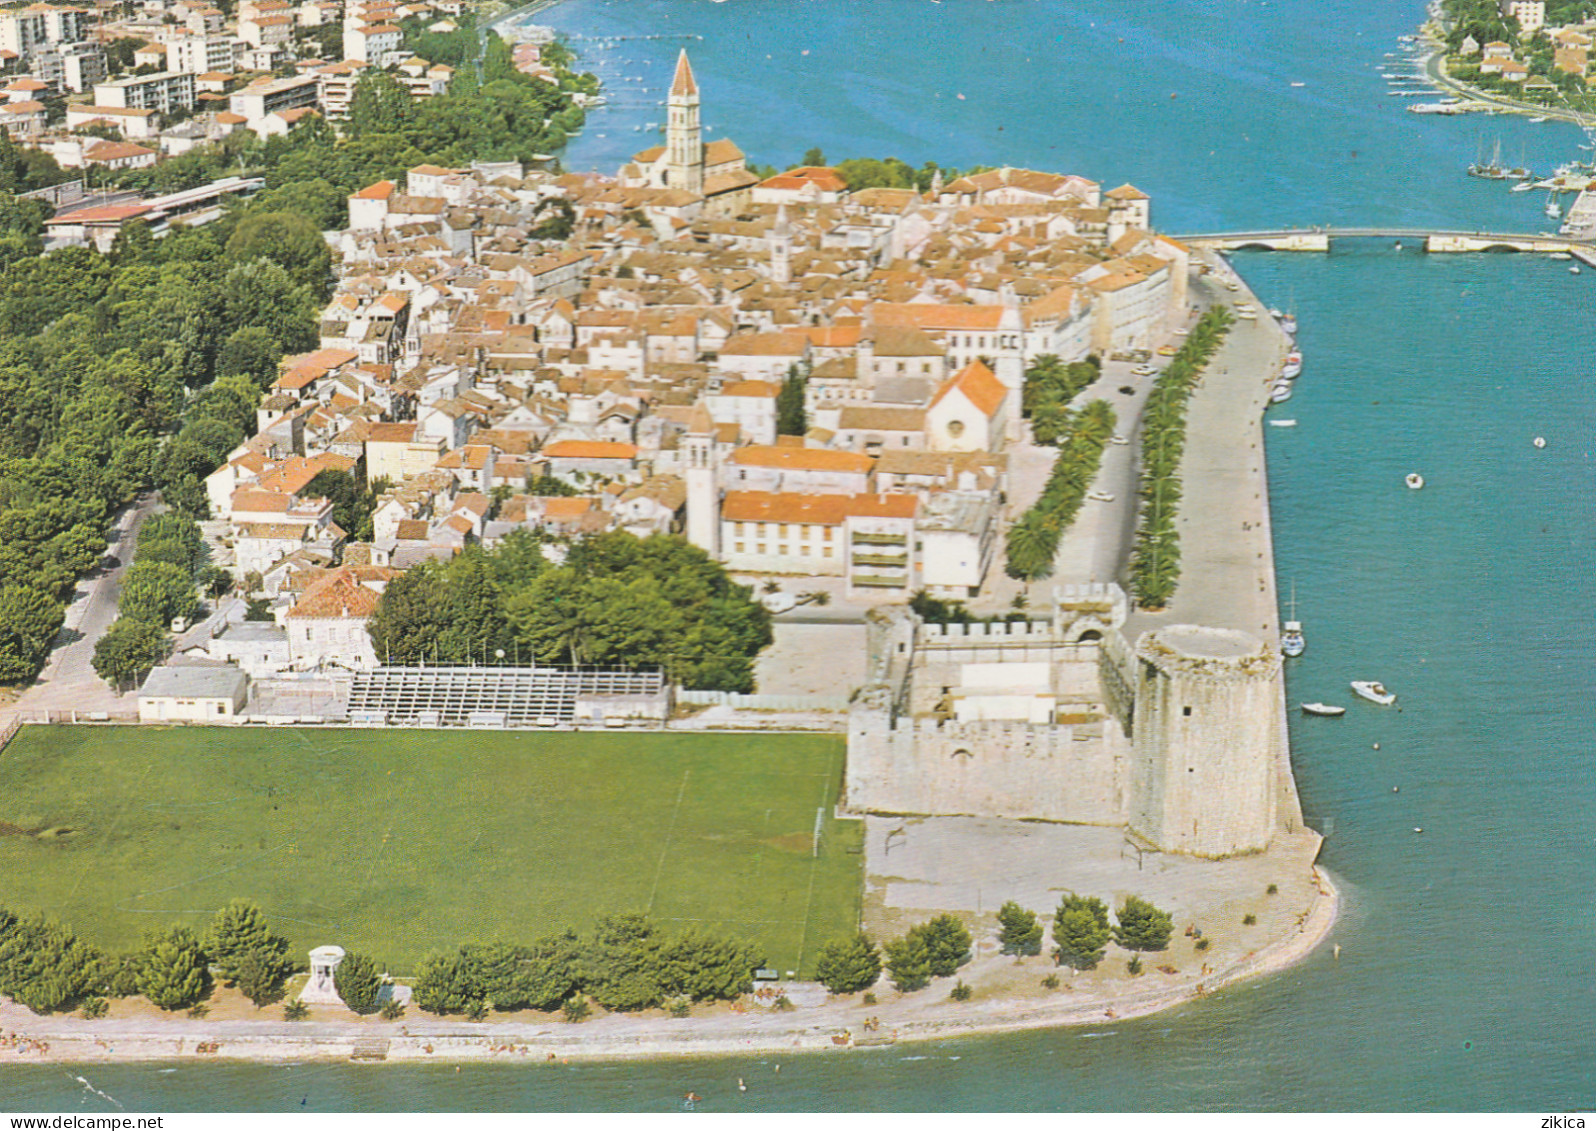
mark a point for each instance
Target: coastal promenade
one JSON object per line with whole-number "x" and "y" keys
{"x": 817, "y": 1023}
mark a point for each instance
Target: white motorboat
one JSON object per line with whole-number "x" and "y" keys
{"x": 1324, "y": 709}
{"x": 1288, "y": 323}
{"x": 1414, "y": 480}
{"x": 1522, "y": 186}
{"x": 1374, "y": 691}
{"x": 1563, "y": 255}
{"x": 1292, "y": 366}
{"x": 1574, "y": 270}
{"x": 1280, "y": 393}
{"x": 1282, "y": 424}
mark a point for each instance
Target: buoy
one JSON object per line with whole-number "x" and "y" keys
{"x": 1414, "y": 480}
{"x": 1377, "y": 746}
{"x": 1418, "y": 830}
{"x": 1540, "y": 441}
{"x": 1396, "y": 789}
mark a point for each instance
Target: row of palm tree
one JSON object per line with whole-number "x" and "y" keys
{"x": 1033, "y": 540}
{"x": 1050, "y": 386}
{"x": 1155, "y": 558}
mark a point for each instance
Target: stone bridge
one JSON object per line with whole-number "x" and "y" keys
{"x": 1433, "y": 240}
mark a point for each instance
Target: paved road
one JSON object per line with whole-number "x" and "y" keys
{"x": 68, "y": 682}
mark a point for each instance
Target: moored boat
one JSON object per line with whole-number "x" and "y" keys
{"x": 1325, "y": 709}
{"x": 1280, "y": 393}
{"x": 1374, "y": 691}
{"x": 1292, "y": 642}
{"x": 1414, "y": 480}
{"x": 1292, "y": 366}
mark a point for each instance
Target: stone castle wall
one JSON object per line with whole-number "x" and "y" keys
{"x": 1180, "y": 740}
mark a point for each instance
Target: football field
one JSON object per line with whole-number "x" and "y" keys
{"x": 397, "y": 842}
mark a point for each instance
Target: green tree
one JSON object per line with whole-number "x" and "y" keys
{"x": 947, "y": 943}
{"x": 791, "y": 417}
{"x": 128, "y": 650}
{"x": 847, "y": 966}
{"x": 259, "y": 975}
{"x": 1020, "y": 933}
{"x": 624, "y": 963}
{"x": 250, "y": 352}
{"x": 1080, "y": 931}
{"x": 173, "y": 975}
{"x": 379, "y": 105}
{"x": 446, "y": 983}
{"x": 43, "y": 965}
{"x": 245, "y": 951}
{"x": 157, "y": 592}
{"x": 288, "y": 239}
{"x": 814, "y": 156}
{"x": 908, "y": 962}
{"x": 358, "y": 982}
{"x": 1142, "y": 926}
{"x": 1031, "y": 547}
{"x": 704, "y": 967}
{"x": 29, "y": 620}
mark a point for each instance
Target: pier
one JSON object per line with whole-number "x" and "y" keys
{"x": 1432, "y": 240}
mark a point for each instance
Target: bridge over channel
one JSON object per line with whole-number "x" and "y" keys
{"x": 1433, "y": 240}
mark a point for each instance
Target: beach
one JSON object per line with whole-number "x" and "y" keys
{"x": 816, "y": 1024}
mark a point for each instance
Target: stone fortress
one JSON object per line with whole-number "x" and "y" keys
{"x": 1179, "y": 739}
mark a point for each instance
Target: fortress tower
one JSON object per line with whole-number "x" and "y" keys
{"x": 1205, "y": 741}
{"x": 684, "y": 140}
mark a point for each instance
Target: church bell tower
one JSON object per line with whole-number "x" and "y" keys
{"x": 684, "y": 140}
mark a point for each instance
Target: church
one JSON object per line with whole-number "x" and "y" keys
{"x": 716, "y": 172}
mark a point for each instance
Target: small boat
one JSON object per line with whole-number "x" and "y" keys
{"x": 1541, "y": 118}
{"x": 1374, "y": 691}
{"x": 1399, "y": 245}
{"x": 1288, "y": 323}
{"x": 1522, "y": 186}
{"x": 1292, "y": 641}
{"x": 1574, "y": 270}
{"x": 1282, "y": 424}
{"x": 1540, "y": 441}
{"x": 1414, "y": 480}
{"x": 1292, "y": 366}
{"x": 1563, "y": 255}
{"x": 1324, "y": 709}
{"x": 1280, "y": 393}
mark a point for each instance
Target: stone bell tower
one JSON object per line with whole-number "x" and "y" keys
{"x": 684, "y": 139}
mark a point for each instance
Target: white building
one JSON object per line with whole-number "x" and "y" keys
{"x": 164, "y": 92}
{"x": 1530, "y": 14}
{"x": 192, "y": 693}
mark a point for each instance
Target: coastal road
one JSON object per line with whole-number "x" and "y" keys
{"x": 1227, "y": 553}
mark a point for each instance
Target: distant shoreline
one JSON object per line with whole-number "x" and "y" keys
{"x": 913, "y": 1018}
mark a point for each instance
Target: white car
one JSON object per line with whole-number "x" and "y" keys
{"x": 1144, "y": 371}
{"x": 778, "y": 602}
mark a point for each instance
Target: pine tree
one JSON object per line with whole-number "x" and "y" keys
{"x": 358, "y": 982}
{"x": 173, "y": 974}
{"x": 1020, "y": 932}
{"x": 1080, "y": 931}
{"x": 1142, "y": 926}
{"x": 908, "y": 962}
{"x": 791, "y": 418}
{"x": 947, "y": 943}
{"x": 846, "y": 966}
{"x": 239, "y": 932}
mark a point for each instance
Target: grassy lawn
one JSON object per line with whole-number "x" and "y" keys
{"x": 400, "y": 842}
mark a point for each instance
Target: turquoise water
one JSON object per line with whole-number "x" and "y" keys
{"x": 1469, "y": 950}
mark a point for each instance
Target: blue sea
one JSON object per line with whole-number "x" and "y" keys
{"x": 1468, "y": 950}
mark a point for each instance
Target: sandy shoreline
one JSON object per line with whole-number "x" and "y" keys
{"x": 923, "y": 1016}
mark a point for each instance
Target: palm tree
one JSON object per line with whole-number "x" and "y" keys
{"x": 1032, "y": 545}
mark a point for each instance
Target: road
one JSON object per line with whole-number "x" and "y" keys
{"x": 68, "y": 682}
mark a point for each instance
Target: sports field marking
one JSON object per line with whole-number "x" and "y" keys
{"x": 659, "y": 869}
{"x": 814, "y": 861}
{"x": 288, "y": 844}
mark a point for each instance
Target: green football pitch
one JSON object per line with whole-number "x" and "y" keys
{"x": 400, "y": 842}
